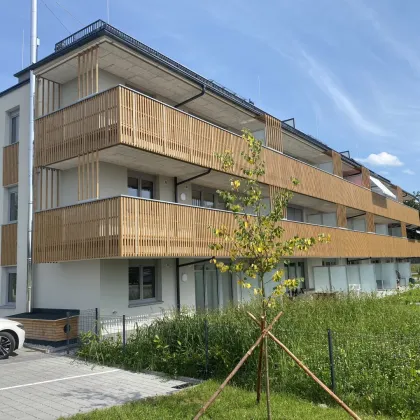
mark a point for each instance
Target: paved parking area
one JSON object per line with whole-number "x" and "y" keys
{"x": 34, "y": 386}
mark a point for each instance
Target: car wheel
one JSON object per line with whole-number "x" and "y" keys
{"x": 7, "y": 345}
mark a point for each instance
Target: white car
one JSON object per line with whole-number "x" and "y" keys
{"x": 12, "y": 337}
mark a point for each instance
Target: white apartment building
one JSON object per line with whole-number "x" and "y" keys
{"x": 125, "y": 182}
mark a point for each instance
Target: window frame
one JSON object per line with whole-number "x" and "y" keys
{"x": 9, "y": 272}
{"x": 10, "y": 191}
{"x": 140, "y": 178}
{"x": 217, "y": 204}
{"x": 141, "y": 268}
{"x": 12, "y": 115}
{"x": 295, "y": 208}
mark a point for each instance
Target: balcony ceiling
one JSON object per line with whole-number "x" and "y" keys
{"x": 313, "y": 204}
{"x": 138, "y": 72}
{"x": 299, "y": 149}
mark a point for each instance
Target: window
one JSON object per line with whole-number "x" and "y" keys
{"x": 13, "y": 204}
{"x": 329, "y": 262}
{"x": 14, "y": 127}
{"x": 205, "y": 197}
{"x": 140, "y": 186}
{"x": 142, "y": 283}
{"x": 294, "y": 214}
{"x": 196, "y": 198}
{"x": 11, "y": 287}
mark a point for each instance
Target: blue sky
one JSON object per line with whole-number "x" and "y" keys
{"x": 348, "y": 71}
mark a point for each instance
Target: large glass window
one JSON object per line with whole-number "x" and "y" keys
{"x": 294, "y": 214}
{"x": 140, "y": 186}
{"x": 141, "y": 283}
{"x": 14, "y": 127}
{"x": 11, "y": 287}
{"x": 202, "y": 197}
{"x": 13, "y": 204}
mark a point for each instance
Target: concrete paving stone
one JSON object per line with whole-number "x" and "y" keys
{"x": 69, "y": 386}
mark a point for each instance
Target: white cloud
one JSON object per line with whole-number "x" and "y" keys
{"x": 409, "y": 172}
{"x": 381, "y": 159}
{"x": 342, "y": 101}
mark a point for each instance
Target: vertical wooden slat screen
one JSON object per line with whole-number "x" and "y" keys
{"x": 83, "y": 231}
{"x": 337, "y": 163}
{"x": 46, "y": 188}
{"x": 47, "y": 96}
{"x": 88, "y": 176}
{"x": 403, "y": 229}
{"x": 370, "y": 222}
{"x": 273, "y": 133}
{"x": 11, "y": 164}
{"x": 122, "y": 116}
{"x": 9, "y": 244}
{"x": 88, "y": 72}
{"x": 131, "y": 227}
{"x": 81, "y": 128}
{"x": 365, "y": 177}
{"x": 341, "y": 216}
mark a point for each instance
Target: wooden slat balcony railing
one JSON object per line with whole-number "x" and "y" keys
{"x": 9, "y": 244}
{"x": 133, "y": 227}
{"x": 11, "y": 165}
{"x": 123, "y": 116}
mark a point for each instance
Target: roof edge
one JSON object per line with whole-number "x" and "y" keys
{"x": 14, "y": 87}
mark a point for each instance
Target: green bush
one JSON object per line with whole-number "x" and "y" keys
{"x": 376, "y": 349}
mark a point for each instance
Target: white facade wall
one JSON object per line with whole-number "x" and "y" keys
{"x": 16, "y": 99}
{"x": 69, "y": 285}
{"x": 114, "y": 288}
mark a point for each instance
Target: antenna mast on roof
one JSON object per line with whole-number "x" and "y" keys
{"x": 32, "y": 82}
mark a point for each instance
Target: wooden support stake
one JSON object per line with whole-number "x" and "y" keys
{"x": 237, "y": 367}
{"x": 260, "y": 362}
{"x": 308, "y": 372}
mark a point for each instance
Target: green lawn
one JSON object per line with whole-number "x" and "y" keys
{"x": 233, "y": 403}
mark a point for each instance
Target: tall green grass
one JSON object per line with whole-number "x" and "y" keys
{"x": 376, "y": 349}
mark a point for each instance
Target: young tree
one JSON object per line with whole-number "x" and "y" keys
{"x": 256, "y": 245}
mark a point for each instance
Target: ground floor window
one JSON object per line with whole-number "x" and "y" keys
{"x": 142, "y": 283}
{"x": 8, "y": 286}
{"x": 11, "y": 287}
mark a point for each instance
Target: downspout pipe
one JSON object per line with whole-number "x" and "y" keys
{"x": 189, "y": 180}
{"x": 203, "y": 91}
{"x": 177, "y": 279}
{"x": 32, "y": 82}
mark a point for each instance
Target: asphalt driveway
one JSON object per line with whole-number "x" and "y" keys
{"x": 34, "y": 386}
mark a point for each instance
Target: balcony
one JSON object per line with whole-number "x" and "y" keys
{"x": 121, "y": 117}
{"x": 132, "y": 227}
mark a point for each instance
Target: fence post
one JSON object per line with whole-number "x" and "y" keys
{"x": 331, "y": 353}
{"x": 68, "y": 332}
{"x": 96, "y": 321}
{"x": 206, "y": 341}
{"x": 124, "y": 333}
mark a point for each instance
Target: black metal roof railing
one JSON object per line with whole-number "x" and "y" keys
{"x": 83, "y": 33}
